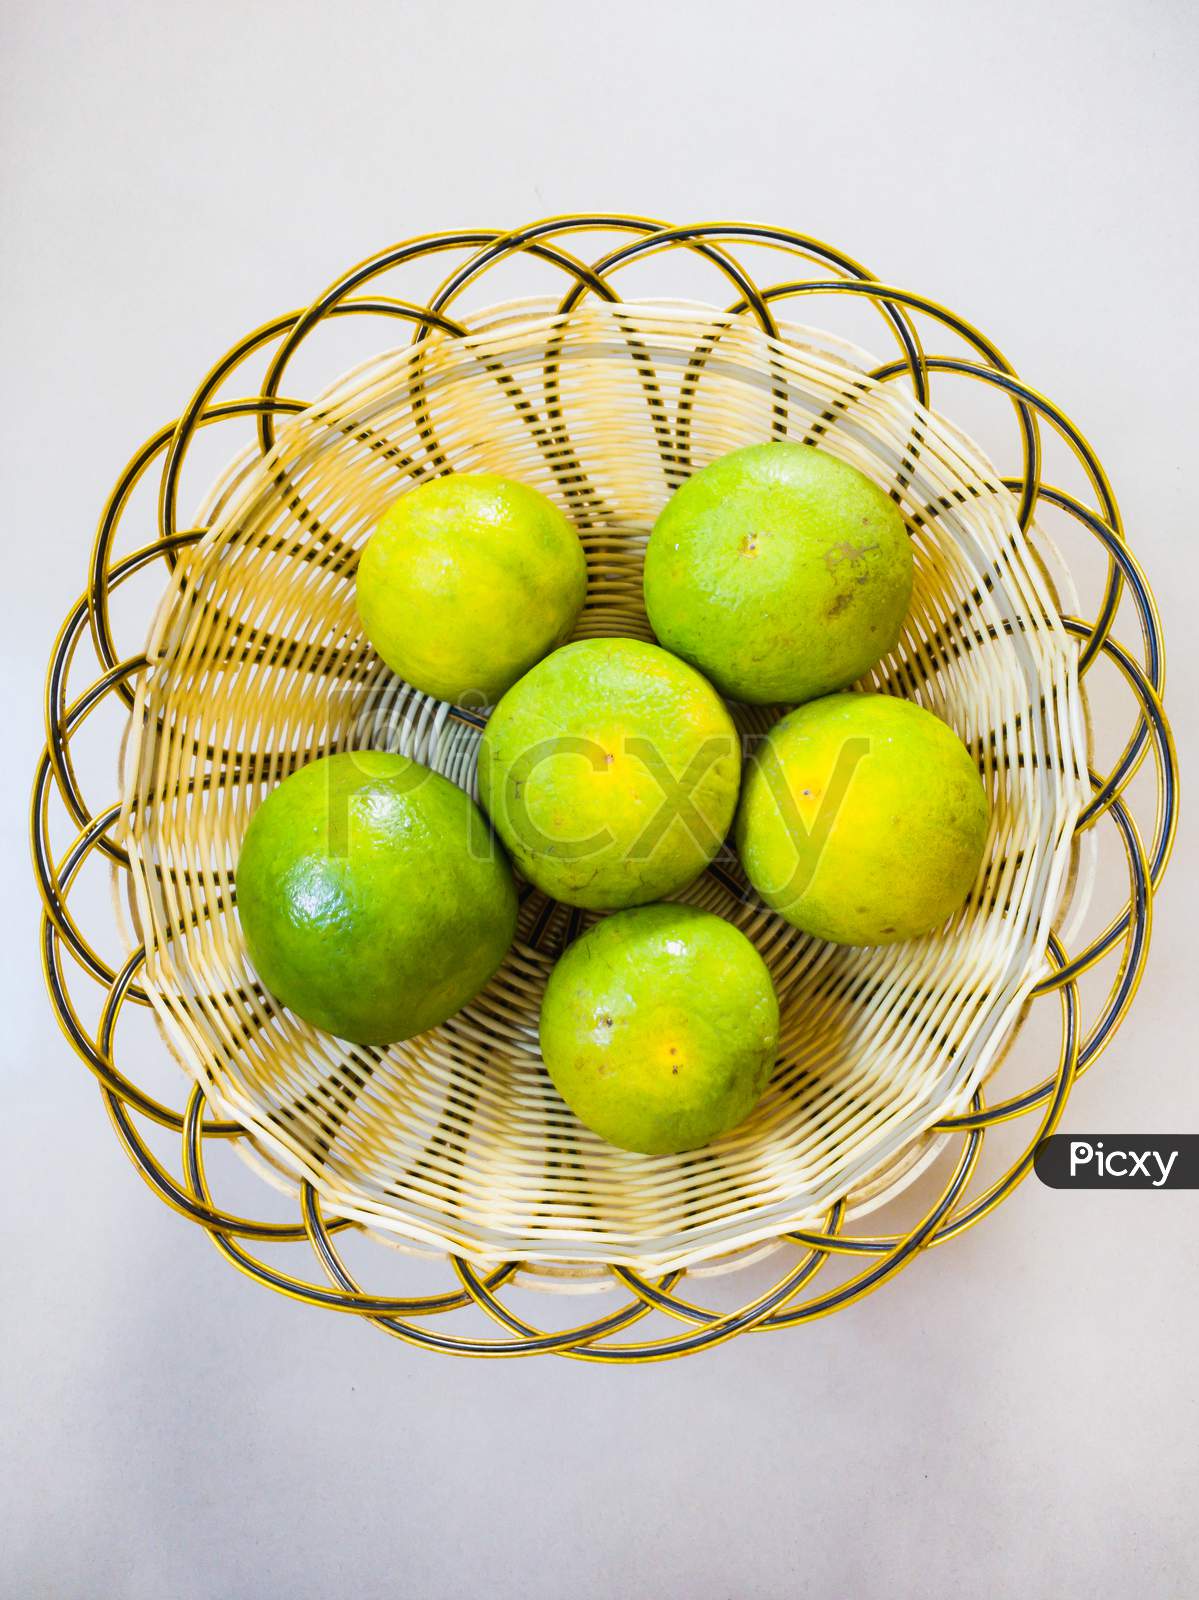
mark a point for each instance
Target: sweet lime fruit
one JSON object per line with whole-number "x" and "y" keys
{"x": 466, "y": 582}
{"x": 779, "y": 572}
{"x": 863, "y": 819}
{"x": 373, "y": 899}
{"x": 659, "y": 1028}
{"x": 611, "y": 773}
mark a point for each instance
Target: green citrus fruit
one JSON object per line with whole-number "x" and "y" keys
{"x": 373, "y": 899}
{"x": 611, "y": 772}
{"x": 863, "y": 819}
{"x": 780, "y": 572}
{"x": 659, "y": 1028}
{"x": 466, "y": 582}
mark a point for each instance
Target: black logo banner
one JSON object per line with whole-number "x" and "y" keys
{"x": 1119, "y": 1161}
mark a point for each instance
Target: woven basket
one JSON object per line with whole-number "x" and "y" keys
{"x": 455, "y": 1142}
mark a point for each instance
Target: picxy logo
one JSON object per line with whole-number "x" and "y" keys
{"x": 1113, "y": 1161}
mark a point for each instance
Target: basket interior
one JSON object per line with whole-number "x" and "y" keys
{"x": 456, "y": 1139}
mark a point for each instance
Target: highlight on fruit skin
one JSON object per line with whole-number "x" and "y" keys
{"x": 780, "y": 572}
{"x": 863, "y": 819}
{"x": 373, "y": 899}
{"x": 659, "y": 1028}
{"x": 466, "y": 582}
{"x": 611, "y": 773}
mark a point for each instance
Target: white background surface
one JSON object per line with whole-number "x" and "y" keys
{"x": 1017, "y": 1412}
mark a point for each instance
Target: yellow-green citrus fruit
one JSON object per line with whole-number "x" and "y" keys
{"x": 466, "y": 582}
{"x": 610, "y": 772}
{"x": 780, "y": 572}
{"x": 863, "y": 819}
{"x": 659, "y": 1028}
{"x": 373, "y": 899}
